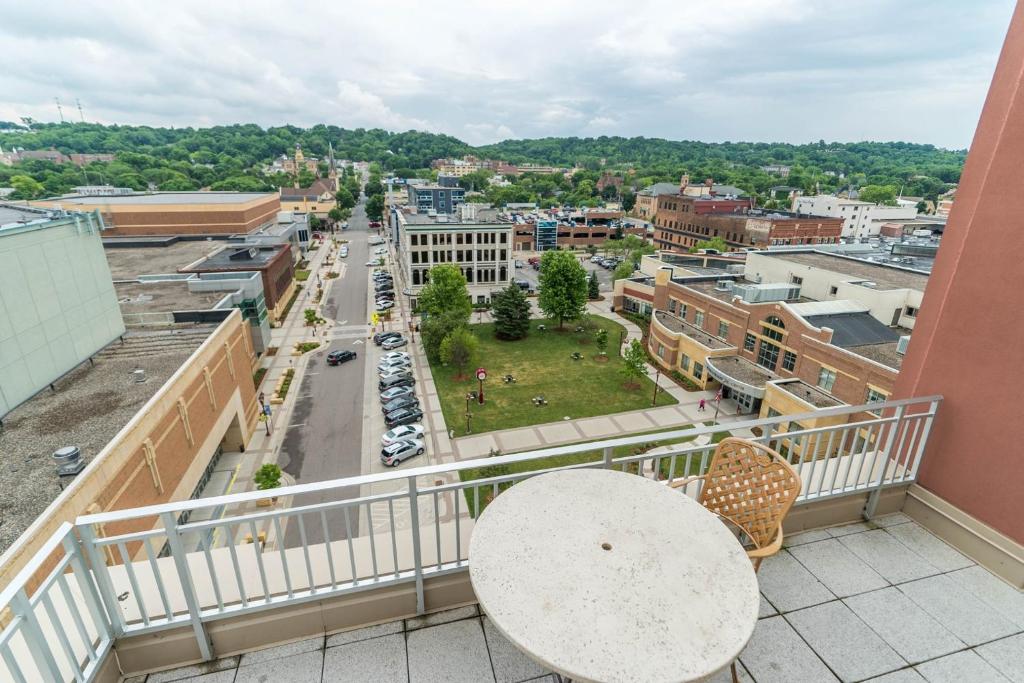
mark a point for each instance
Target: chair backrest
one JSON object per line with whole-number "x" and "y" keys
{"x": 752, "y": 486}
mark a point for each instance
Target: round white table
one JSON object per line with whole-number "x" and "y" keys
{"x": 604, "y": 576}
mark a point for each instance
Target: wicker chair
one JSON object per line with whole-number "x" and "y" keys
{"x": 751, "y": 487}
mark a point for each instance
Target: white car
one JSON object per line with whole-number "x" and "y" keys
{"x": 393, "y": 454}
{"x": 403, "y": 433}
{"x": 380, "y": 250}
{"x": 395, "y": 354}
{"x": 395, "y": 372}
{"x": 384, "y": 306}
{"x": 371, "y": 264}
{"x": 394, "y": 343}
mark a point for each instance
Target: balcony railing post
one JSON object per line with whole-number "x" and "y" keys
{"x": 606, "y": 459}
{"x": 41, "y": 651}
{"x": 890, "y": 439}
{"x": 417, "y": 557}
{"x": 187, "y": 587}
{"x": 86, "y": 586}
{"x": 102, "y": 573}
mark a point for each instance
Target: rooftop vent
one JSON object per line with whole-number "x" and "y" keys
{"x": 902, "y": 344}
{"x": 138, "y": 376}
{"x": 68, "y": 461}
{"x": 770, "y": 291}
{"x": 723, "y": 286}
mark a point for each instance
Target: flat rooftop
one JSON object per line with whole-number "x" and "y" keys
{"x": 87, "y": 408}
{"x": 15, "y": 214}
{"x": 158, "y": 198}
{"x": 488, "y": 220}
{"x": 742, "y": 370}
{"x": 692, "y": 331}
{"x": 884, "y": 276}
{"x": 163, "y": 297}
{"x": 884, "y": 353}
{"x": 131, "y": 262}
{"x": 241, "y": 257}
{"x": 808, "y": 393}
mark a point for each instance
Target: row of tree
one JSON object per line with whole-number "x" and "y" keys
{"x": 233, "y": 157}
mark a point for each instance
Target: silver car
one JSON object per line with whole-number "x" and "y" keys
{"x": 393, "y": 454}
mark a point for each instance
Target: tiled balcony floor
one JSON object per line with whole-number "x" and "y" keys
{"x": 884, "y": 601}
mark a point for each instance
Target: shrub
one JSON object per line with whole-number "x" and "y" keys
{"x": 268, "y": 476}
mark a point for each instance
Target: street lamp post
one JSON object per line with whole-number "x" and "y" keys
{"x": 657, "y": 376}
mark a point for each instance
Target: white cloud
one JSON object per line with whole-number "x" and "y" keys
{"x": 738, "y": 69}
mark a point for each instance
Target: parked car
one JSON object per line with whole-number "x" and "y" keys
{"x": 343, "y": 252}
{"x": 403, "y": 433}
{"x": 385, "y": 306}
{"x": 400, "y": 402}
{"x": 339, "y": 357}
{"x": 379, "y": 338}
{"x": 394, "y": 343}
{"x": 370, "y": 264}
{"x": 523, "y": 284}
{"x": 394, "y": 364}
{"x": 391, "y": 381}
{"x": 376, "y": 224}
{"x": 380, "y": 250}
{"x": 403, "y": 416}
{"x": 406, "y": 372}
{"x": 395, "y": 354}
{"x": 393, "y": 454}
{"x": 344, "y": 226}
{"x": 396, "y": 392}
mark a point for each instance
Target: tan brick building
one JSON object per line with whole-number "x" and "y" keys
{"x": 176, "y": 213}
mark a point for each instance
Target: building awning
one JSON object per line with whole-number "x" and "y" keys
{"x": 739, "y": 374}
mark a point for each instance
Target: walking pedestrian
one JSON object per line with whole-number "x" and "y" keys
{"x": 701, "y": 405}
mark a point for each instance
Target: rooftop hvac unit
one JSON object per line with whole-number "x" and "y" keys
{"x": 902, "y": 344}
{"x": 770, "y": 291}
{"x": 138, "y": 376}
{"x": 723, "y": 286}
{"x": 735, "y": 268}
{"x": 68, "y": 461}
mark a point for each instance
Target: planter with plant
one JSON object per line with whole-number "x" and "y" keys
{"x": 267, "y": 477}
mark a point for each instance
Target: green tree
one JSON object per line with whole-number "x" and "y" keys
{"x": 336, "y": 215}
{"x": 459, "y": 348}
{"x": 601, "y": 341}
{"x": 593, "y": 288}
{"x": 26, "y": 187}
{"x": 345, "y": 198}
{"x": 268, "y": 476}
{"x": 311, "y": 317}
{"x": 511, "y": 312}
{"x": 563, "y": 286}
{"x": 634, "y": 363}
{"x": 623, "y": 271}
{"x": 628, "y": 201}
{"x": 878, "y": 194}
{"x": 445, "y": 292}
{"x": 375, "y": 207}
{"x": 314, "y": 221}
{"x": 716, "y": 243}
{"x": 435, "y": 328}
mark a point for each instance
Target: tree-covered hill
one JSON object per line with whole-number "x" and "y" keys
{"x": 232, "y": 157}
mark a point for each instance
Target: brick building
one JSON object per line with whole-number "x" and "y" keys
{"x": 273, "y": 262}
{"x": 681, "y": 222}
{"x": 176, "y": 213}
{"x": 724, "y": 331}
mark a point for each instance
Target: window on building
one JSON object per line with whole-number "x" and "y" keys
{"x": 773, "y": 413}
{"x": 672, "y": 306}
{"x": 789, "y": 361}
{"x": 772, "y": 328}
{"x": 767, "y": 355}
{"x": 826, "y": 378}
{"x": 682, "y": 310}
{"x": 910, "y": 311}
{"x": 723, "y": 329}
{"x": 684, "y": 362}
{"x": 796, "y": 280}
{"x": 832, "y": 291}
{"x": 661, "y": 350}
{"x": 698, "y": 370}
{"x": 873, "y": 396}
{"x": 698, "y": 318}
{"x": 749, "y": 341}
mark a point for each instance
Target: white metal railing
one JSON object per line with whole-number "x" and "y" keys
{"x": 142, "y": 570}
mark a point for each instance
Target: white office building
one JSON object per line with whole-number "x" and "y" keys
{"x": 473, "y": 239}
{"x": 860, "y": 219}
{"x": 57, "y": 300}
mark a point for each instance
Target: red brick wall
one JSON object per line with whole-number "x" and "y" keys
{"x": 210, "y": 219}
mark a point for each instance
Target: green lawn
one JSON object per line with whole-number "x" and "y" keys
{"x": 664, "y": 466}
{"x": 301, "y": 275}
{"x": 542, "y": 365}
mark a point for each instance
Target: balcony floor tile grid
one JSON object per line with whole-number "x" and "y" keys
{"x": 883, "y": 601}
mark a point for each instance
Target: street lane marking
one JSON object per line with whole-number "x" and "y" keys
{"x": 297, "y": 424}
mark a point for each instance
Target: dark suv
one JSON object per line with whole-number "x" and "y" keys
{"x": 403, "y": 416}
{"x": 400, "y": 402}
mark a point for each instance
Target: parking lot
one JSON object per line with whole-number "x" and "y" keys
{"x": 526, "y": 272}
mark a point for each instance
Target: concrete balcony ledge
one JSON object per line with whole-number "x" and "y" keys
{"x": 850, "y": 602}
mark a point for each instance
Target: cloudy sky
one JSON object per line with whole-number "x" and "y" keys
{"x": 766, "y": 70}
